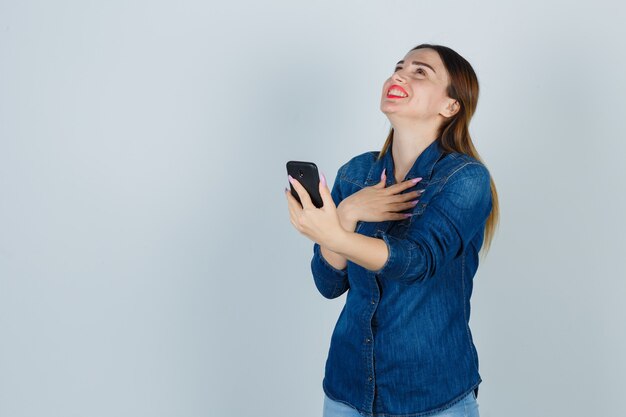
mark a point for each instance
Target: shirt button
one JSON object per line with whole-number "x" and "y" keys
{"x": 373, "y": 302}
{"x": 369, "y": 378}
{"x": 367, "y": 340}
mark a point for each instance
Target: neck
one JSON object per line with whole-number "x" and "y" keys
{"x": 407, "y": 146}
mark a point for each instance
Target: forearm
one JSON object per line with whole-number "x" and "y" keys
{"x": 337, "y": 260}
{"x": 369, "y": 252}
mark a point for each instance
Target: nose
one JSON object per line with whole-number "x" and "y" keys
{"x": 397, "y": 77}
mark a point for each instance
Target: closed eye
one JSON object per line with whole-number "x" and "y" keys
{"x": 416, "y": 71}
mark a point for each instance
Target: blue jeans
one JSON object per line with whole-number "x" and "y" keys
{"x": 466, "y": 407}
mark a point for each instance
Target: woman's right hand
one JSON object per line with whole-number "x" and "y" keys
{"x": 378, "y": 203}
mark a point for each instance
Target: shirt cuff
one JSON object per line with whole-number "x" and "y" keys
{"x": 400, "y": 253}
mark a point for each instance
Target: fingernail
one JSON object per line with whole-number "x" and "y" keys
{"x": 290, "y": 178}
{"x": 421, "y": 191}
{"x": 415, "y": 180}
{"x": 414, "y": 202}
{"x": 323, "y": 179}
{"x": 408, "y": 214}
{"x": 383, "y": 174}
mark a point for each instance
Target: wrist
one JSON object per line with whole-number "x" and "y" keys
{"x": 338, "y": 241}
{"x": 348, "y": 222}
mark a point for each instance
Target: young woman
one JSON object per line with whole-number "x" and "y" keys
{"x": 401, "y": 232}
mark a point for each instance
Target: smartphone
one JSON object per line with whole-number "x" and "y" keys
{"x": 306, "y": 173}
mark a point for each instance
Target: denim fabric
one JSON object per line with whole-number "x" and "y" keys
{"x": 402, "y": 345}
{"x": 466, "y": 407}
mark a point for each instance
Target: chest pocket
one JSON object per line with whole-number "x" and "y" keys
{"x": 399, "y": 228}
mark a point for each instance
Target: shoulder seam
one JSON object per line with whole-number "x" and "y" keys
{"x": 462, "y": 166}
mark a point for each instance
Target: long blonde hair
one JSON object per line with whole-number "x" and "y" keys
{"x": 454, "y": 134}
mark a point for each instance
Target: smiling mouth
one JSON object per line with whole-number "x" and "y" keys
{"x": 396, "y": 93}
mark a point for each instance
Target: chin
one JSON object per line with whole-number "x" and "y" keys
{"x": 385, "y": 108}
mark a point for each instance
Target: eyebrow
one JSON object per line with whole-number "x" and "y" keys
{"x": 418, "y": 63}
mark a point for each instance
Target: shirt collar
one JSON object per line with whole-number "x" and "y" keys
{"x": 423, "y": 166}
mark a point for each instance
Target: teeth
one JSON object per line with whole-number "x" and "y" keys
{"x": 397, "y": 93}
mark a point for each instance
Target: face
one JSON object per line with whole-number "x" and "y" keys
{"x": 422, "y": 85}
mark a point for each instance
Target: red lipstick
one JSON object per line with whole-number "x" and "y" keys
{"x": 396, "y": 87}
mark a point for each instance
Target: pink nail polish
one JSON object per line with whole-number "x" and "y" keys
{"x": 415, "y": 180}
{"x": 323, "y": 179}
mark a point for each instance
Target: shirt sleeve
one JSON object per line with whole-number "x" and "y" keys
{"x": 330, "y": 281}
{"x": 449, "y": 222}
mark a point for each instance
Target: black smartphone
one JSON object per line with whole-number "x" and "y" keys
{"x": 306, "y": 173}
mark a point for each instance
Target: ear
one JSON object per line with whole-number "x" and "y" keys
{"x": 451, "y": 108}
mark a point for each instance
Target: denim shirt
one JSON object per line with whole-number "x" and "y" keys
{"x": 402, "y": 345}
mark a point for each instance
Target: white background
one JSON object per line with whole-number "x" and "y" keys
{"x": 147, "y": 263}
